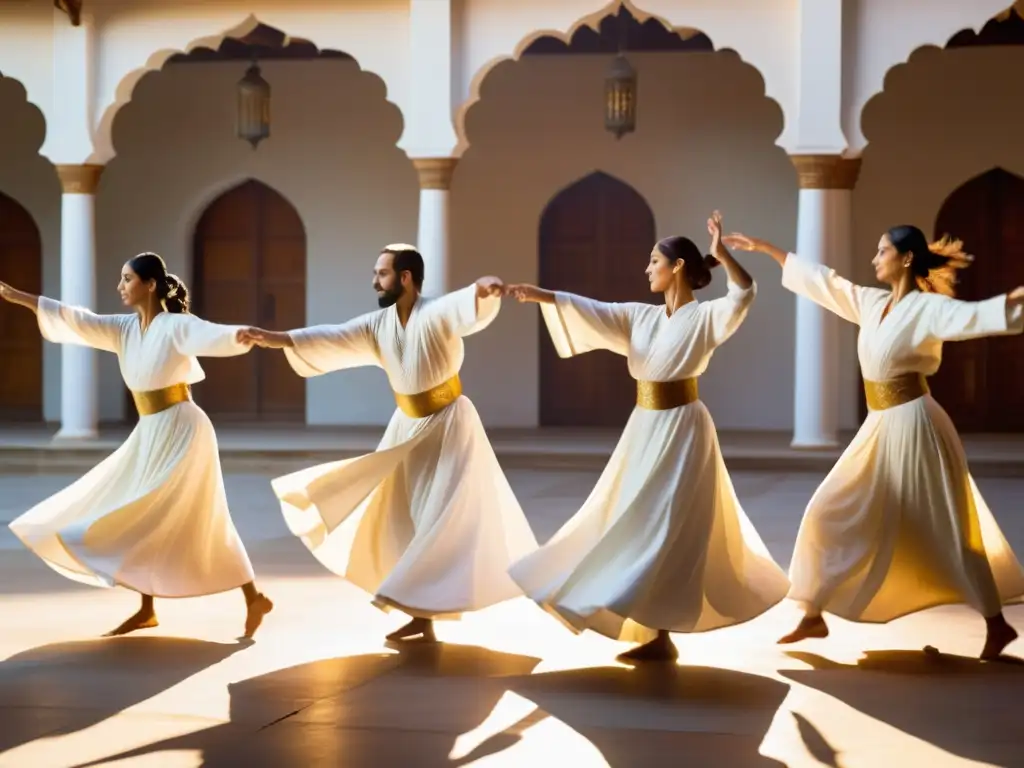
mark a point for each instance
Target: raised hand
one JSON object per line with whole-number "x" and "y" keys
{"x": 489, "y": 286}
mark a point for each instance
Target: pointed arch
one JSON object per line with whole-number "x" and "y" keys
{"x": 979, "y": 383}
{"x": 249, "y": 267}
{"x": 21, "y": 348}
{"x": 594, "y": 239}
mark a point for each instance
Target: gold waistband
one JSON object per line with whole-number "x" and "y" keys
{"x": 664, "y": 395}
{"x": 424, "y": 404}
{"x": 157, "y": 400}
{"x": 882, "y": 395}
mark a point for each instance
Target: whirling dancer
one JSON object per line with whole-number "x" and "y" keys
{"x": 427, "y": 524}
{"x": 152, "y": 517}
{"x": 898, "y": 525}
{"x": 662, "y": 544}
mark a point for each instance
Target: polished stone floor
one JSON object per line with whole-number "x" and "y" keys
{"x": 509, "y": 687}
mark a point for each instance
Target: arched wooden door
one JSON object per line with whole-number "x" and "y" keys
{"x": 595, "y": 240}
{"x": 980, "y": 382}
{"x": 250, "y": 269}
{"x": 21, "y": 347}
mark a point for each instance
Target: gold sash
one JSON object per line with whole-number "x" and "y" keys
{"x": 882, "y": 395}
{"x": 428, "y": 403}
{"x": 665, "y": 395}
{"x": 157, "y": 400}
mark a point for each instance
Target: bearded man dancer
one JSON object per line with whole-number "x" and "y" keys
{"x": 428, "y": 523}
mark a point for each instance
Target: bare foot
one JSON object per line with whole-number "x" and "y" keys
{"x": 144, "y": 619}
{"x": 809, "y": 627}
{"x": 999, "y": 636}
{"x": 259, "y": 607}
{"x": 657, "y": 650}
{"x": 417, "y": 629}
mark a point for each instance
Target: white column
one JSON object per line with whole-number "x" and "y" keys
{"x": 823, "y": 236}
{"x": 79, "y": 397}
{"x": 432, "y": 238}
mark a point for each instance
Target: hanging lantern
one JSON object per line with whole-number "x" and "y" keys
{"x": 253, "y": 121}
{"x": 620, "y": 98}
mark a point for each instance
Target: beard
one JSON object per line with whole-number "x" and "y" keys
{"x": 391, "y": 296}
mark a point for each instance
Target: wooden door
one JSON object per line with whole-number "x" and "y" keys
{"x": 250, "y": 269}
{"x": 595, "y": 240}
{"x": 21, "y": 347}
{"x": 980, "y": 381}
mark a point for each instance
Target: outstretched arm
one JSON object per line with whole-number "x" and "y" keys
{"x": 813, "y": 281}
{"x": 21, "y": 298}
{"x": 578, "y": 324}
{"x": 65, "y": 324}
{"x": 321, "y": 348}
{"x": 950, "y": 319}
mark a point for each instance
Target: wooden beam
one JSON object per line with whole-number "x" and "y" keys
{"x": 73, "y": 8}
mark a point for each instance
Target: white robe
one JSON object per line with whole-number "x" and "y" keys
{"x": 152, "y": 516}
{"x": 662, "y": 541}
{"x": 427, "y": 523}
{"x": 898, "y": 524}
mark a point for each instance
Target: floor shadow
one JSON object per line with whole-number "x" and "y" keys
{"x": 653, "y": 715}
{"x": 66, "y": 687}
{"x": 403, "y": 708}
{"x": 964, "y": 706}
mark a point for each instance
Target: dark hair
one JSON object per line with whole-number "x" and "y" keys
{"x": 406, "y": 259}
{"x": 696, "y": 267}
{"x": 170, "y": 290}
{"x": 933, "y": 265}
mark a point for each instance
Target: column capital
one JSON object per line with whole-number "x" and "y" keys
{"x": 80, "y": 179}
{"x": 435, "y": 172}
{"x": 826, "y": 171}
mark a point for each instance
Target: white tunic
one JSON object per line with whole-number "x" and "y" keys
{"x": 898, "y": 524}
{"x": 662, "y": 542}
{"x": 152, "y": 516}
{"x": 428, "y": 523}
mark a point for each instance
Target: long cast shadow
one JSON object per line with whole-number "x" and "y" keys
{"x": 660, "y": 715}
{"x": 66, "y": 687}
{"x": 382, "y": 709}
{"x": 961, "y": 705}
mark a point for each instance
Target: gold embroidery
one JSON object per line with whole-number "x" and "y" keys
{"x": 157, "y": 400}
{"x": 665, "y": 395}
{"x": 882, "y": 395}
{"x": 424, "y": 404}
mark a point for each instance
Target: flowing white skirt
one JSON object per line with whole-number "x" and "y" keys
{"x": 428, "y": 523}
{"x": 898, "y": 526}
{"x": 152, "y": 516}
{"x": 661, "y": 543}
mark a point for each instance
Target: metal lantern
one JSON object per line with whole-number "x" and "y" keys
{"x": 620, "y": 98}
{"x": 253, "y": 107}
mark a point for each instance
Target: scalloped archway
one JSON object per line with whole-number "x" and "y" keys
{"x": 774, "y": 92}
{"x": 958, "y": 25}
{"x": 103, "y": 143}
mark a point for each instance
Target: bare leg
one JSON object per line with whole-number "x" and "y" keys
{"x": 258, "y": 605}
{"x": 1000, "y": 635}
{"x": 812, "y": 625}
{"x": 417, "y": 629}
{"x": 143, "y": 619}
{"x": 660, "y": 648}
